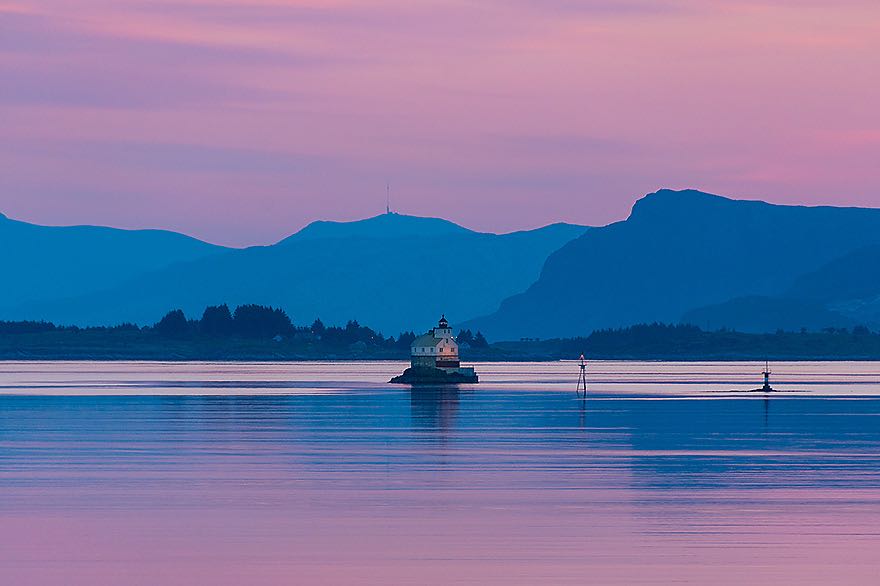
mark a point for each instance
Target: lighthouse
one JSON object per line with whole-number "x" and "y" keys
{"x": 434, "y": 359}
{"x": 436, "y": 349}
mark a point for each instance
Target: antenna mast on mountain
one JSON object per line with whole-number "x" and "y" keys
{"x": 387, "y": 197}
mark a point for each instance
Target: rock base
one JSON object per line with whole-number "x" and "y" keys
{"x": 421, "y": 375}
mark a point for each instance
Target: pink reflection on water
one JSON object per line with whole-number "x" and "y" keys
{"x": 705, "y": 379}
{"x": 441, "y": 537}
{"x": 318, "y": 478}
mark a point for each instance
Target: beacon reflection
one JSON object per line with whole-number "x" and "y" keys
{"x": 434, "y": 408}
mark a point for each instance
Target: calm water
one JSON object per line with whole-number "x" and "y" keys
{"x": 153, "y": 473}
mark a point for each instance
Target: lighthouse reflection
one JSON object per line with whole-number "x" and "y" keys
{"x": 434, "y": 409}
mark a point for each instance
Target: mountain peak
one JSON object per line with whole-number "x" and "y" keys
{"x": 689, "y": 196}
{"x": 671, "y": 202}
{"x": 389, "y": 225}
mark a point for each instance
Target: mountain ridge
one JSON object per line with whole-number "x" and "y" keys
{"x": 51, "y": 261}
{"x": 677, "y": 250}
{"x": 388, "y": 225}
{"x": 398, "y": 272}
{"x": 841, "y": 293}
{"x": 680, "y": 256}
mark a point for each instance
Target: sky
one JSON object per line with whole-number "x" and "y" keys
{"x": 239, "y": 121}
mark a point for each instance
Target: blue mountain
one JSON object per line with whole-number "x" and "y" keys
{"x": 679, "y": 251}
{"x": 392, "y": 272}
{"x": 42, "y": 263}
{"x": 841, "y": 293}
{"x": 386, "y": 226}
{"x": 761, "y": 314}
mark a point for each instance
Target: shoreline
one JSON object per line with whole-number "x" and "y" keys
{"x": 653, "y": 342}
{"x": 484, "y": 360}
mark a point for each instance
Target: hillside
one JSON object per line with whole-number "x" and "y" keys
{"x": 758, "y": 314}
{"x": 678, "y": 251}
{"x": 393, "y": 271}
{"x": 840, "y": 293}
{"x": 42, "y": 263}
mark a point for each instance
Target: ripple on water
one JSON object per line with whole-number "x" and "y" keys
{"x": 321, "y": 472}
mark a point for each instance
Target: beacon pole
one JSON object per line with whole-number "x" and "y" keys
{"x": 582, "y": 379}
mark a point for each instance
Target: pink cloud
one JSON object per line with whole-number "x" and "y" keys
{"x": 500, "y": 115}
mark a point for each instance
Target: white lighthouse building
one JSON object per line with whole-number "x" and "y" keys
{"x": 436, "y": 349}
{"x": 434, "y": 359}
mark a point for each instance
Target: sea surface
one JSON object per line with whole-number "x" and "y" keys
{"x": 322, "y": 473}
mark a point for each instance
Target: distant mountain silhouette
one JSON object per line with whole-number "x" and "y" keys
{"x": 384, "y": 226}
{"x": 41, "y": 263}
{"x": 393, "y": 272}
{"x": 853, "y": 276}
{"x": 683, "y": 250}
{"x": 767, "y": 314}
{"x": 841, "y": 293}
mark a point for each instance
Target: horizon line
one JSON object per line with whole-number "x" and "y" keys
{"x": 4, "y": 216}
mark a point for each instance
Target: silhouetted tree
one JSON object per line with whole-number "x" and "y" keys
{"x": 25, "y": 327}
{"x": 351, "y": 333}
{"x": 405, "y": 339}
{"x": 355, "y": 332}
{"x": 257, "y": 321}
{"x": 318, "y": 327}
{"x": 480, "y": 341}
{"x": 174, "y": 324}
{"x": 216, "y": 321}
{"x": 465, "y": 337}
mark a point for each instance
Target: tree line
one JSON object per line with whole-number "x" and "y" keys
{"x": 684, "y": 341}
{"x": 249, "y": 321}
{"x": 266, "y": 322}
{"x": 258, "y": 332}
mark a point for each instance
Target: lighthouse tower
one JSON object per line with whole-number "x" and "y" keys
{"x": 442, "y": 330}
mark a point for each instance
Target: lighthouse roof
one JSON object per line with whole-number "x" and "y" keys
{"x": 426, "y": 340}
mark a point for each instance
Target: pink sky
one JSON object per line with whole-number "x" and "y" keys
{"x": 240, "y": 122}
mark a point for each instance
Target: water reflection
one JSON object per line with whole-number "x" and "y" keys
{"x": 745, "y": 443}
{"x": 513, "y": 481}
{"x": 434, "y": 409}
